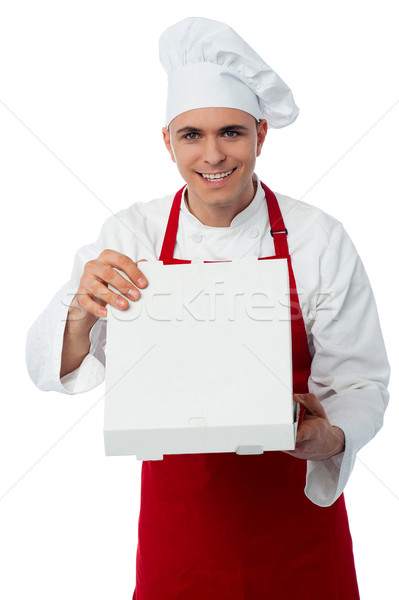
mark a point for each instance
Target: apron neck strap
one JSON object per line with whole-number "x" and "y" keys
{"x": 278, "y": 230}
{"x": 169, "y": 240}
{"x": 277, "y": 227}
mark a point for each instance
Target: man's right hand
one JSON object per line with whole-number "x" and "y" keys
{"x": 91, "y": 299}
{"x": 94, "y": 294}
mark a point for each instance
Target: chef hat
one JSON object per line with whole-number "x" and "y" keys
{"x": 209, "y": 65}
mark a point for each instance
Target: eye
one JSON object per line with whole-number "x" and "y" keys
{"x": 231, "y": 133}
{"x": 190, "y": 136}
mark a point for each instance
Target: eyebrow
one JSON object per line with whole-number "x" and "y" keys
{"x": 189, "y": 129}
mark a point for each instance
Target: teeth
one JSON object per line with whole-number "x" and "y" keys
{"x": 212, "y": 176}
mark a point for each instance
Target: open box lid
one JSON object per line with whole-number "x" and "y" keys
{"x": 202, "y": 361}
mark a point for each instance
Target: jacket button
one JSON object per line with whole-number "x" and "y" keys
{"x": 253, "y": 233}
{"x": 197, "y": 237}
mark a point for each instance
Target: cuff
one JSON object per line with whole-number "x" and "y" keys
{"x": 86, "y": 377}
{"x": 359, "y": 413}
{"x": 91, "y": 371}
{"x": 326, "y": 479}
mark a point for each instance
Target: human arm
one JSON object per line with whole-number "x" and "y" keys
{"x": 350, "y": 370}
{"x": 135, "y": 232}
{"x": 45, "y": 338}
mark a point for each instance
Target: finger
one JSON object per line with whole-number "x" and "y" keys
{"x": 78, "y": 311}
{"x": 108, "y": 296}
{"x": 125, "y": 264}
{"x": 312, "y": 404}
{"x": 92, "y": 306}
{"x": 94, "y": 283}
{"x": 98, "y": 276}
{"x": 304, "y": 432}
{"x": 106, "y": 274}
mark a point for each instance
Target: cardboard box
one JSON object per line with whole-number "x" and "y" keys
{"x": 202, "y": 362}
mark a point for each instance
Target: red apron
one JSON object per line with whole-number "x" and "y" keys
{"x": 232, "y": 527}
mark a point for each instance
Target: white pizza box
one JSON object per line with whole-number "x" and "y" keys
{"x": 202, "y": 362}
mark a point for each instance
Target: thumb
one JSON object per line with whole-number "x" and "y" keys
{"x": 312, "y": 404}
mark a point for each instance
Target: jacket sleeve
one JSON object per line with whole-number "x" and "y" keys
{"x": 126, "y": 232}
{"x": 350, "y": 370}
{"x": 45, "y": 339}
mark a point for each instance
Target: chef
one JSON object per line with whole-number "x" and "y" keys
{"x": 223, "y": 526}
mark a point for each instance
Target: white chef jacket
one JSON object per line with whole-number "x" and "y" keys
{"x": 349, "y": 371}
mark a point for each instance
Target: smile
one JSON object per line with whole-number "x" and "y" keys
{"x": 213, "y": 176}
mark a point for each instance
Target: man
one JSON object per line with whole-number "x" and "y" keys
{"x": 221, "y": 525}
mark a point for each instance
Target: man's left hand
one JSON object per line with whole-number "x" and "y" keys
{"x": 316, "y": 438}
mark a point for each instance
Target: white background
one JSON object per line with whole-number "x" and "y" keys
{"x": 81, "y": 109}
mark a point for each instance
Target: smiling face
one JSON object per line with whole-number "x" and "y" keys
{"x": 215, "y": 150}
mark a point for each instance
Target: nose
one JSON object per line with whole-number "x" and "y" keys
{"x": 213, "y": 151}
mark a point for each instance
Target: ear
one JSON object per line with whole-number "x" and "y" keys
{"x": 261, "y": 135}
{"x": 168, "y": 144}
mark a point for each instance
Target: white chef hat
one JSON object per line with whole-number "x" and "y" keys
{"x": 209, "y": 65}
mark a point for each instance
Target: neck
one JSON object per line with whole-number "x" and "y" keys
{"x": 223, "y": 213}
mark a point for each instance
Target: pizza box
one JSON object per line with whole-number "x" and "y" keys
{"x": 202, "y": 362}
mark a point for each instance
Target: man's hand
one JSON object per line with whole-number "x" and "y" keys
{"x": 91, "y": 298}
{"x": 316, "y": 438}
{"x": 93, "y": 293}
